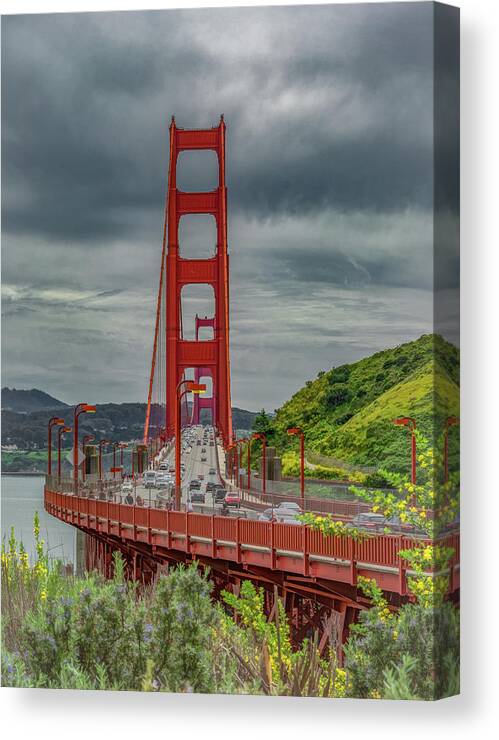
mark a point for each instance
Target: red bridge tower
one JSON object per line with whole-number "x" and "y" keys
{"x": 206, "y": 357}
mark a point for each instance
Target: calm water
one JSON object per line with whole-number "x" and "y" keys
{"x": 21, "y": 497}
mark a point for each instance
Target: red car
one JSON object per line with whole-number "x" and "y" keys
{"x": 233, "y": 498}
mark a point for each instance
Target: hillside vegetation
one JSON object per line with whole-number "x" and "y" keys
{"x": 347, "y": 412}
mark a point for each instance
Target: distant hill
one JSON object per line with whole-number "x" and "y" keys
{"x": 347, "y": 412}
{"x": 25, "y": 415}
{"x": 242, "y": 419}
{"x": 23, "y": 401}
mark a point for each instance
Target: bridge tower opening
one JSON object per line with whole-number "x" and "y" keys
{"x": 209, "y": 358}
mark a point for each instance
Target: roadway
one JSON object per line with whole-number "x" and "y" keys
{"x": 197, "y": 463}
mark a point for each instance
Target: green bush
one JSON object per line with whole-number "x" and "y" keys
{"x": 428, "y": 636}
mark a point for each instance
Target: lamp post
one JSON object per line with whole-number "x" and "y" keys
{"x": 116, "y": 446}
{"x": 263, "y": 437}
{"x": 122, "y": 447}
{"x": 55, "y": 421}
{"x": 102, "y": 444}
{"x": 191, "y": 387}
{"x": 232, "y": 448}
{"x": 81, "y": 408}
{"x": 241, "y": 442}
{"x": 410, "y": 423}
{"x": 249, "y": 464}
{"x": 449, "y": 422}
{"x": 62, "y": 430}
{"x": 298, "y": 432}
{"x": 86, "y": 439}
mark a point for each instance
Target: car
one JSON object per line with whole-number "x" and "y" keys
{"x": 212, "y": 444}
{"x": 171, "y": 469}
{"x": 200, "y": 476}
{"x": 212, "y": 471}
{"x": 396, "y": 525}
{"x": 150, "y": 479}
{"x": 198, "y": 443}
{"x": 368, "y": 520}
{"x": 210, "y": 486}
{"x": 162, "y": 481}
{"x": 203, "y": 459}
{"x": 163, "y": 466}
{"x": 126, "y": 487}
{"x": 233, "y": 498}
{"x": 267, "y": 515}
{"x": 197, "y": 497}
{"x": 289, "y": 505}
{"x": 203, "y": 450}
{"x": 195, "y": 484}
{"x": 219, "y": 494}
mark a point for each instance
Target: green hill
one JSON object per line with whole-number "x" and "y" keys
{"x": 347, "y": 412}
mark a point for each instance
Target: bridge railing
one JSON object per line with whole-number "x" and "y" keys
{"x": 376, "y": 549}
{"x": 90, "y": 488}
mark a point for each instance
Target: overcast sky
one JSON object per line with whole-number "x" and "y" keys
{"x": 329, "y": 171}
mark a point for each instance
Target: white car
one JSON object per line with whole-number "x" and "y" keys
{"x": 290, "y": 506}
{"x": 126, "y": 487}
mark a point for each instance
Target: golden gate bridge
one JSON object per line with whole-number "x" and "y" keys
{"x": 314, "y": 575}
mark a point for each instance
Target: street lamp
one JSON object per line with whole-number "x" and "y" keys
{"x": 410, "y": 423}
{"x": 249, "y": 464}
{"x": 117, "y": 446}
{"x": 241, "y": 442}
{"x": 263, "y": 437}
{"x": 191, "y": 387}
{"x": 102, "y": 444}
{"x": 298, "y": 432}
{"x": 62, "y": 430}
{"x": 84, "y": 442}
{"x": 55, "y": 421}
{"x": 232, "y": 448}
{"x": 122, "y": 447}
{"x": 449, "y": 422}
{"x": 81, "y": 408}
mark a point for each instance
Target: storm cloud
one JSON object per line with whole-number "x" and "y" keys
{"x": 329, "y": 169}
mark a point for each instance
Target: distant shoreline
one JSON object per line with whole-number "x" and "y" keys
{"x": 27, "y": 472}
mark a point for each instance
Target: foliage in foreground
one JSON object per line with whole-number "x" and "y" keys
{"x": 92, "y": 633}
{"x": 410, "y": 654}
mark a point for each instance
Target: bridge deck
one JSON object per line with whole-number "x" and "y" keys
{"x": 268, "y": 545}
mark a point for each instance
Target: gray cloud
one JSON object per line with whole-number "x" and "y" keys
{"x": 329, "y": 112}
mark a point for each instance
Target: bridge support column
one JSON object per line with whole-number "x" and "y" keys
{"x": 80, "y": 555}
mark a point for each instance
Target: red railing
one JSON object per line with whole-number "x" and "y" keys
{"x": 291, "y": 544}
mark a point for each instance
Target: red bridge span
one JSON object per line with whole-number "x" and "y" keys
{"x": 314, "y": 575}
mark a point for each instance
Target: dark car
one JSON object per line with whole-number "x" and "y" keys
{"x": 220, "y": 495}
{"x": 397, "y": 526}
{"x": 194, "y": 484}
{"x": 197, "y": 497}
{"x": 210, "y": 486}
{"x": 368, "y": 520}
